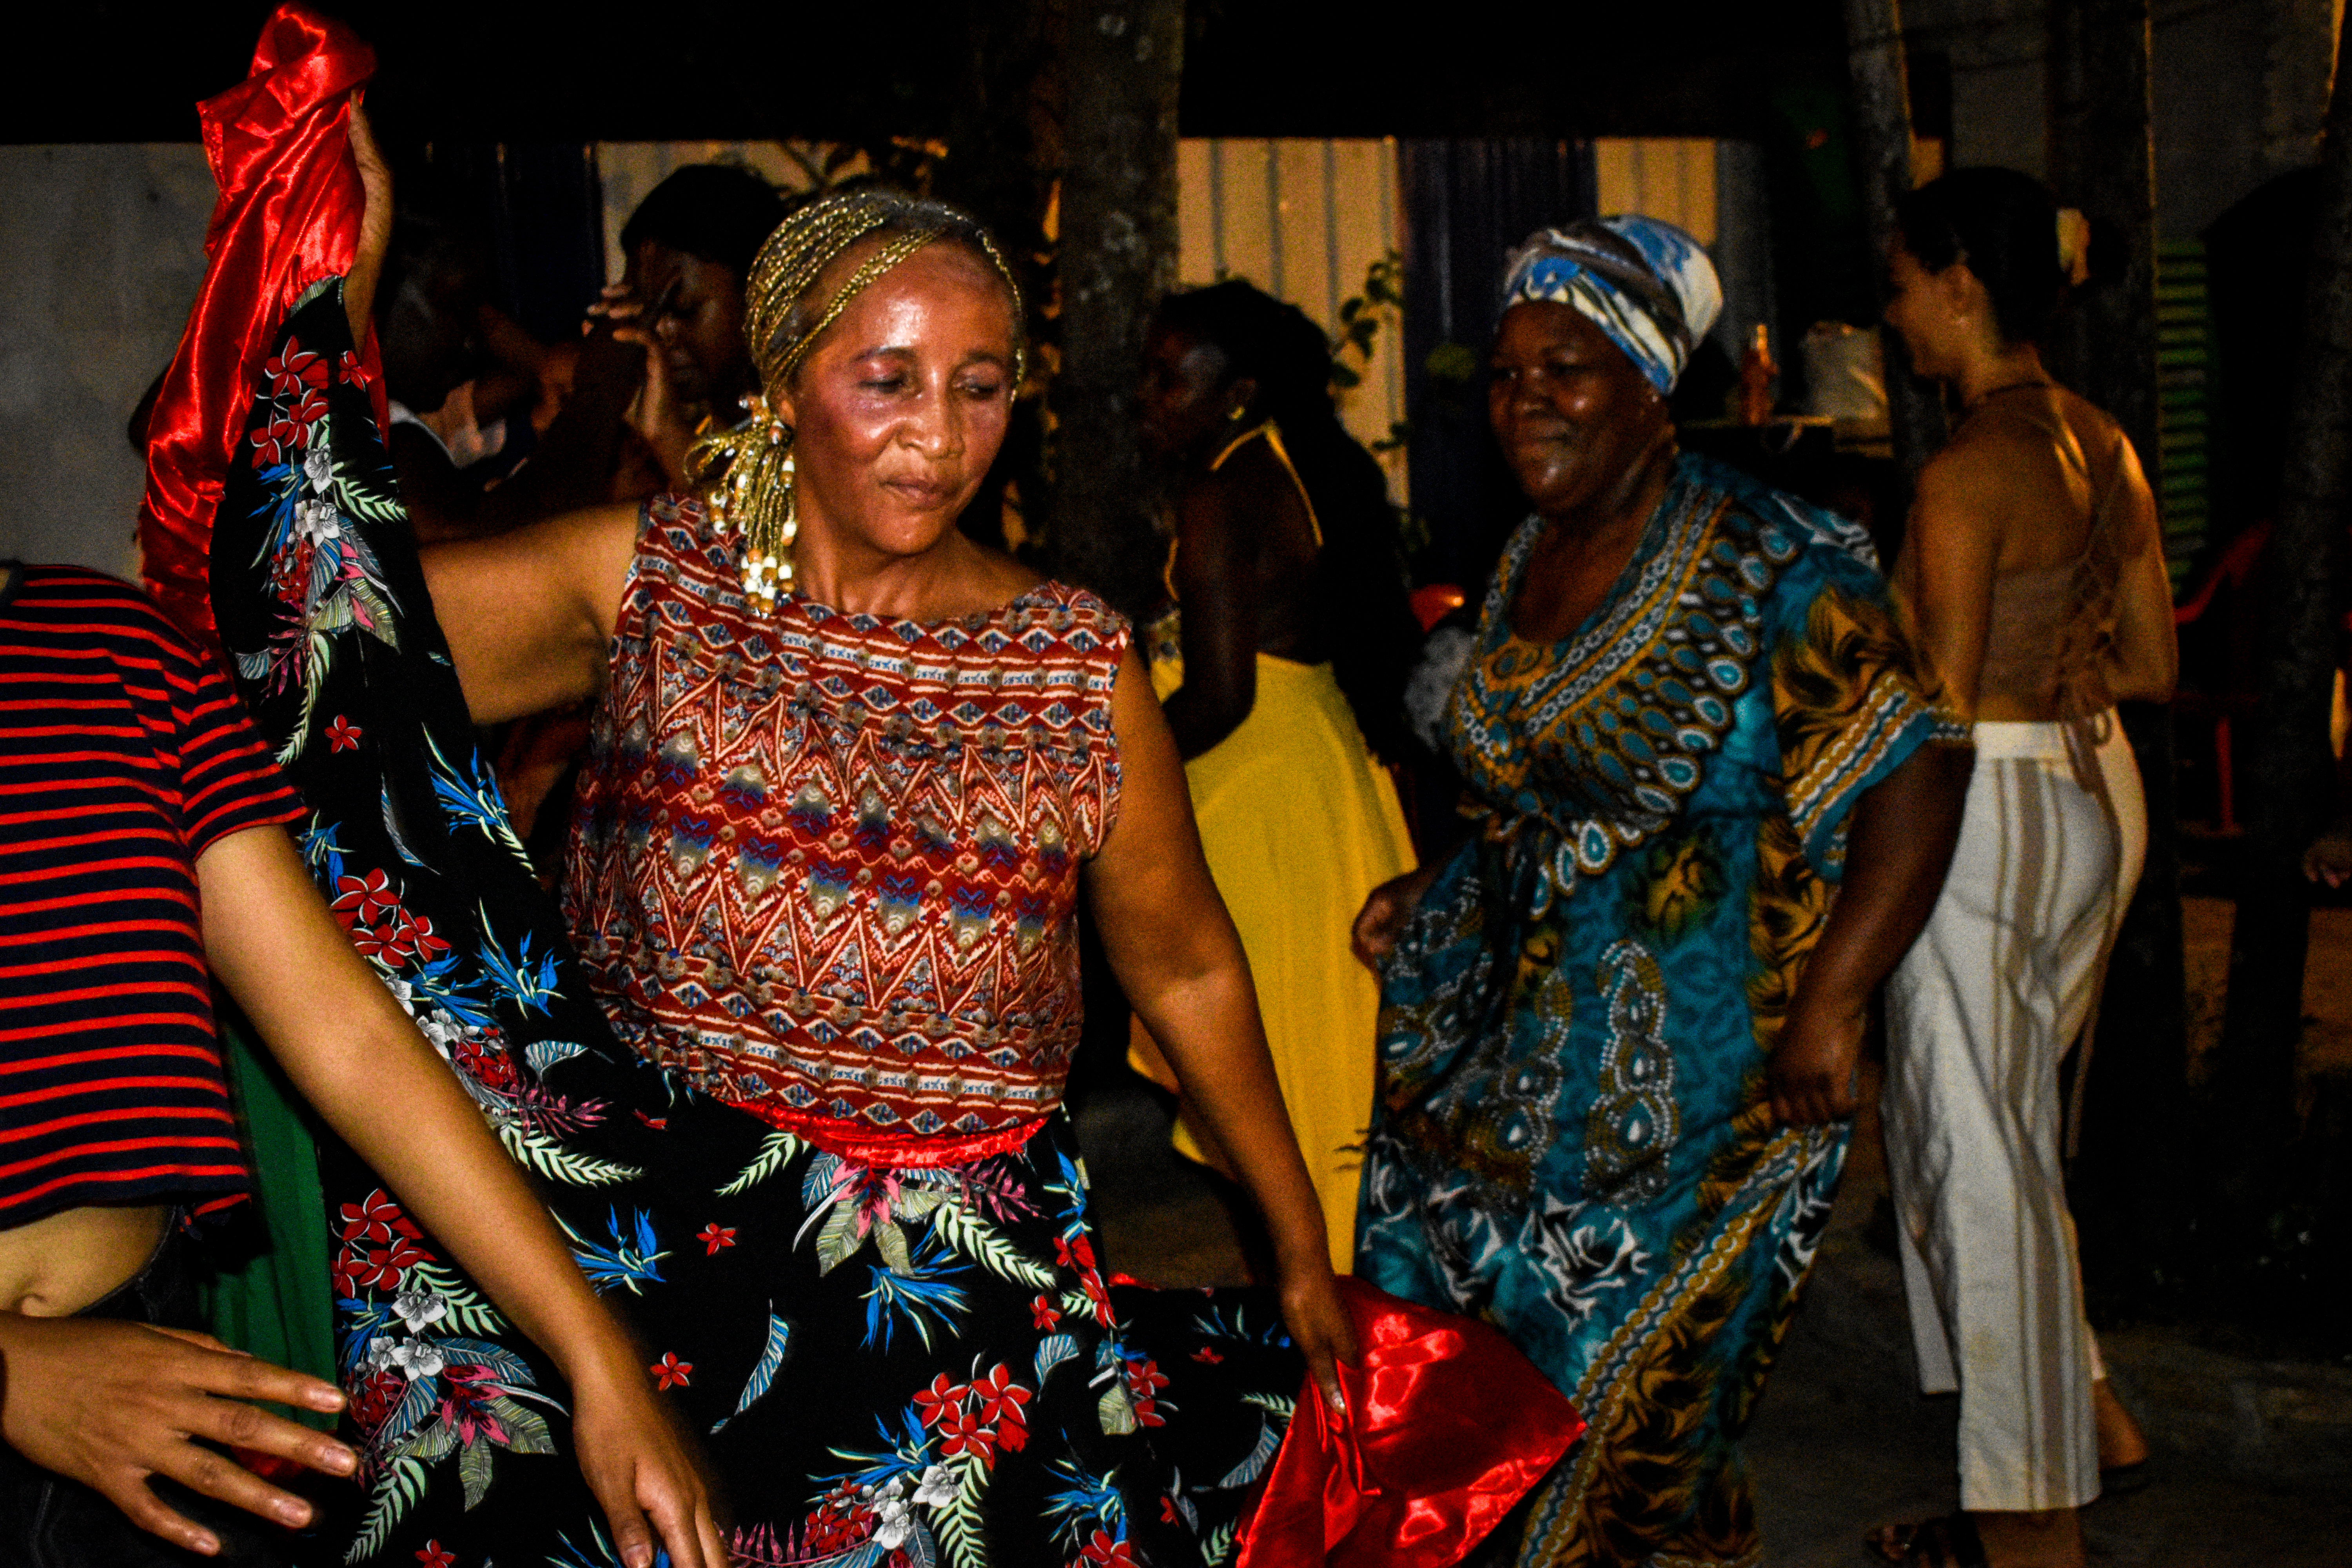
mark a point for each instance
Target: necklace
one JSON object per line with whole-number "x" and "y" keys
{"x": 1985, "y": 397}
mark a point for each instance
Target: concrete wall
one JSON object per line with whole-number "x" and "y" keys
{"x": 104, "y": 248}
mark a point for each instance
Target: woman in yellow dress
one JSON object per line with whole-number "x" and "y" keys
{"x": 1281, "y": 664}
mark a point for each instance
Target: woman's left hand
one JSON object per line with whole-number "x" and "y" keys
{"x": 1812, "y": 1078}
{"x": 639, "y": 1470}
{"x": 1319, "y": 1323}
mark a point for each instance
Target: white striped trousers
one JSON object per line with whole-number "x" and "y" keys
{"x": 1980, "y": 1013}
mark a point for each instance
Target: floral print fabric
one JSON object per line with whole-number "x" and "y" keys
{"x": 888, "y": 1366}
{"x": 1572, "y": 1138}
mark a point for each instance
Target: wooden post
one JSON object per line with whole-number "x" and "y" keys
{"x": 2291, "y": 778}
{"x": 1882, "y": 114}
{"x": 1122, "y": 63}
{"x": 2103, "y": 161}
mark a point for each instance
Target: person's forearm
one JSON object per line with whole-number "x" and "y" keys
{"x": 356, "y": 1057}
{"x": 1207, "y": 1025}
{"x": 443, "y": 1163}
{"x": 1898, "y": 846}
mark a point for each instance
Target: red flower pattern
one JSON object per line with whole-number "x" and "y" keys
{"x": 671, "y": 1372}
{"x": 715, "y": 1237}
{"x": 354, "y": 369}
{"x": 297, "y": 367}
{"x": 1144, "y": 1381}
{"x": 377, "y": 1218}
{"x": 841, "y": 1522}
{"x": 342, "y": 735}
{"x": 486, "y": 1061}
{"x": 415, "y": 939}
{"x": 1001, "y": 1399}
{"x": 280, "y": 441}
{"x": 941, "y": 1400}
{"x": 376, "y": 1398}
{"x": 1103, "y": 1552}
{"x": 960, "y": 1434}
{"x": 436, "y": 1555}
{"x": 368, "y": 898}
{"x": 377, "y": 1268}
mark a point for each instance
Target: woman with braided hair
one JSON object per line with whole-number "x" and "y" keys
{"x": 848, "y": 773}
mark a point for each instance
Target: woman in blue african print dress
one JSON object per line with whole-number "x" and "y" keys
{"x": 1619, "y": 1027}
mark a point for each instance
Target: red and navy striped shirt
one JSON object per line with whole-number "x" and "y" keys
{"x": 124, "y": 754}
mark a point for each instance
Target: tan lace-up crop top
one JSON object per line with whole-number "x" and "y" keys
{"x": 2051, "y": 627}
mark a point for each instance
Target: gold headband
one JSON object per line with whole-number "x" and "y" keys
{"x": 746, "y": 472}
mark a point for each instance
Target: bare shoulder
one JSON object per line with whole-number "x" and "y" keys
{"x": 1216, "y": 498}
{"x": 2104, "y": 441}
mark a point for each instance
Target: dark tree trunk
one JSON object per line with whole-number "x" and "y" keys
{"x": 2292, "y": 775}
{"x": 1002, "y": 162}
{"x": 1882, "y": 114}
{"x": 1121, "y": 62}
{"x": 2103, "y": 161}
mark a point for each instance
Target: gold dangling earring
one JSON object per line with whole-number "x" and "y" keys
{"x": 1238, "y": 412}
{"x": 791, "y": 530}
{"x": 767, "y": 573}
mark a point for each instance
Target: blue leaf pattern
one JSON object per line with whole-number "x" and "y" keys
{"x": 763, "y": 1372}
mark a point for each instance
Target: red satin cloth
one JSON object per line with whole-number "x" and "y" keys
{"x": 1448, "y": 1427}
{"x": 288, "y": 214}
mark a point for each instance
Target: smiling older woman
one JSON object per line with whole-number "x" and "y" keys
{"x": 1618, "y": 1027}
{"x": 848, "y": 773}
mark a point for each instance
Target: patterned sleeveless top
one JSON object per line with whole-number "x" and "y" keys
{"x": 824, "y": 866}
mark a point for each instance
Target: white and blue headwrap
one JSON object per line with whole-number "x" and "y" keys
{"x": 1646, "y": 284}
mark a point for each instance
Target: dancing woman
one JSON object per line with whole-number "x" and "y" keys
{"x": 1618, "y": 1027}
{"x": 848, "y": 773}
{"x": 2034, "y": 569}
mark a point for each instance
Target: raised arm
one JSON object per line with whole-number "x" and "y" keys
{"x": 356, "y": 1057}
{"x": 1178, "y": 957}
{"x": 375, "y": 224}
{"x": 2144, "y": 662}
{"x": 529, "y": 613}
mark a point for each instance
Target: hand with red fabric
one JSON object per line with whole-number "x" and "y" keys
{"x": 1432, "y": 1456}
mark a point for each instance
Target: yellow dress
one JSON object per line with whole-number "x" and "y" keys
{"x": 1300, "y": 823}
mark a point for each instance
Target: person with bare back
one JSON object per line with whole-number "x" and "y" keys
{"x": 2033, "y": 573}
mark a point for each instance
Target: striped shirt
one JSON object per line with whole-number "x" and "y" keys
{"x": 124, "y": 754}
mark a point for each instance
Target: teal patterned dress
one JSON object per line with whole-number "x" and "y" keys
{"x": 1572, "y": 1139}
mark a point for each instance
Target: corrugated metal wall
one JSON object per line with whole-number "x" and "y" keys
{"x": 1304, "y": 220}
